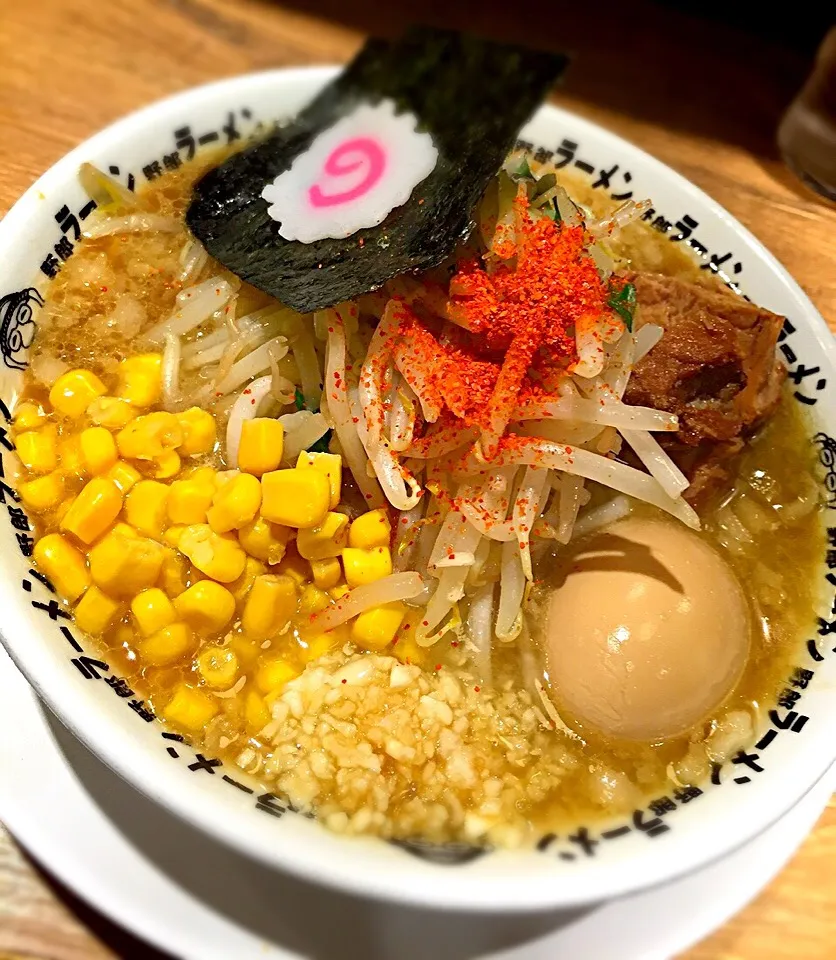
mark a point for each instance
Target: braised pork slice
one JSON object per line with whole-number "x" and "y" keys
{"x": 715, "y": 367}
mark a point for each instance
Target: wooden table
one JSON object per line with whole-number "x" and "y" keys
{"x": 702, "y": 98}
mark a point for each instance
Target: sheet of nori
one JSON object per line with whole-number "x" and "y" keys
{"x": 471, "y": 95}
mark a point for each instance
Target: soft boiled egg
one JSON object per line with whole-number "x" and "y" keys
{"x": 647, "y": 632}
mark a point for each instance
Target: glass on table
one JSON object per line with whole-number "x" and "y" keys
{"x": 807, "y": 133}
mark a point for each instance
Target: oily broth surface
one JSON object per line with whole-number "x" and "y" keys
{"x": 114, "y": 287}
{"x": 84, "y": 324}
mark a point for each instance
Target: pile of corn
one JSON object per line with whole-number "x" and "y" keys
{"x": 161, "y": 553}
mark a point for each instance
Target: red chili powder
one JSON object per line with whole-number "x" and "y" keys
{"x": 518, "y": 325}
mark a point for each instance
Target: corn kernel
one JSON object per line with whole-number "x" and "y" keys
{"x": 149, "y": 436}
{"x": 295, "y": 498}
{"x": 188, "y": 500}
{"x": 145, "y": 507}
{"x": 269, "y": 607}
{"x": 316, "y": 645}
{"x": 338, "y": 592}
{"x": 407, "y": 650}
{"x": 164, "y": 467}
{"x": 264, "y": 540}
{"x": 190, "y": 708}
{"x": 275, "y": 674}
{"x": 123, "y": 566}
{"x": 93, "y": 510}
{"x": 284, "y": 596}
{"x": 235, "y": 504}
{"x": 366, "y": 566}
{"x": 63, "y": 564}
{"x": 42, "y": 493}
{"x": 113, "y": 413}
{"x": 375, "y": 629}
{"x": 218, "y": 666}
{"x": 74, "y": 391}
{"x": 123, "y": 634}
{"x": 98, "y": 449}
{"x": 38, "y": 449}
{"x": 313, "y": 600}
{"x": 331, "y": 464}
{"x": 247, "y": 650}
{"x": 70, "y": 460}
{"x": 204, "y": 475}
{"x": 222, "y": 477}
{"x": 123, "y": 475}
{"x": 256, "y": 714}
{"x": 370, "y": 529}
{"x": 294, "y": 566}
{"x": 168, "y": 645}
{"x": 140, "y": 379}
{"x": 61, "y": 510}
{"x": 326, "y": 540}
{"x": 326, "y": 573}
{"x": 206, "y": 607}
{"x": 174, "y": 574}
{"x": 240, "y": 587}
{"x": 260, "y": 449}
{"x": 96, "y": 611}
{"x": 29, "y": 416}
{"x": 172, "y": 535}
{"x": 124, "y": 530}
{"x": 199, "y": 432}
{"x": 152, "y": 611}
{"x": 219, "y": 557}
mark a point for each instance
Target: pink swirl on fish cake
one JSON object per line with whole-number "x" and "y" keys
{"x": 343, "y": 161}
{"x": 352, "y": 174}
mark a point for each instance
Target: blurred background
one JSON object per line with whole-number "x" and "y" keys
{"x": 688, "y": 65}
{"x": 713, "y": 72}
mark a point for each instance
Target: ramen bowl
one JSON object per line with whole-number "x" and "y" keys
{"x": 586, "y": 863}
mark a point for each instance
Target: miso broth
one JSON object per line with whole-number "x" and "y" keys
{"x": 416, "y": 708}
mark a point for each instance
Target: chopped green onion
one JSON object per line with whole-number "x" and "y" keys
{"x": 523, "y": 171}
{"x": 623, "y": 302}
{"x": 321, "y": 445}
{"x": 299, "y": 399}
{"x": 552, "y": 211}
{"x": 544, "y": 183}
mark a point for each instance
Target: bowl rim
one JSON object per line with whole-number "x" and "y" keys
{"x": 127, "y": 756}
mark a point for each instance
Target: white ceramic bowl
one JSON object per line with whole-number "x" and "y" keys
{"x": 793, "y": 750}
